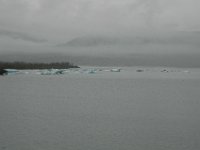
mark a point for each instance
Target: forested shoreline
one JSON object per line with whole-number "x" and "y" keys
{"x": 27, "y": 65}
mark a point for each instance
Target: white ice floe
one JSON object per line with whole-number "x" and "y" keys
{"x": 115, "y": 70}
{"x": 64, "y": 71}
{"x": 77, "y": 71}
{"x": 186, "y": 71}
{"x": 52, "y": 72}
{"x": 11, "y": 71}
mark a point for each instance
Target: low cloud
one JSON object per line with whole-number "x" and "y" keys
{"x": 21, "y": 36}
{"x": 67, "y": 21}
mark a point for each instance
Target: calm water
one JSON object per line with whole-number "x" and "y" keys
{"x": 89, "y": 112}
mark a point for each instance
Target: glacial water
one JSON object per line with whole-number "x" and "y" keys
{"x": 149, "y": 110}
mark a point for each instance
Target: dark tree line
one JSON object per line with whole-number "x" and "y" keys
{"x": 3, "y": 72}
{"x": 26, "y": 65}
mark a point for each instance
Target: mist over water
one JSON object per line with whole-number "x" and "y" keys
{"x": 94, "y": 27}
{"x": 133, "y": 59}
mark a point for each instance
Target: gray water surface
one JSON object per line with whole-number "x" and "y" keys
{"x": 97, "y": 113}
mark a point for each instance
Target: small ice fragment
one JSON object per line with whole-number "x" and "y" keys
{"x": 115, "y": 70}
{"x": 186, "y": 71}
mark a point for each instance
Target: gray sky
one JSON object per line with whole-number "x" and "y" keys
{"x": 99, "y": 25}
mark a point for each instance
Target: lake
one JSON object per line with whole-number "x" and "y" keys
{"x": 152, "y": 109}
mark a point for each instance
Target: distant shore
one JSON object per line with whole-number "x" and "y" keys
{"x": 27, "y": 65}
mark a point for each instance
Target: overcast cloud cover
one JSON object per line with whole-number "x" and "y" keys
{"x": 86, "y": 25}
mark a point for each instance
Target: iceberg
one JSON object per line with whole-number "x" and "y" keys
{"x": 11, "y": 71}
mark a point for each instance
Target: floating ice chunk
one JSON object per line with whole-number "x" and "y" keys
{"x": 53, "y": 72}
{"x": 91, "y": 71}
{"x": 106, "y": 70}
{"x": 115, "y": 70}
{"x": 59, "y": 72}
{"x": 45, "y": 73}
{"x": 77, "y": 71}
{"x": 186, "y": 71}
{"x": 88, "y": 71}
{"x": 11, "y": 71}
